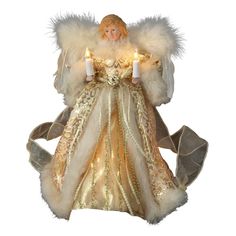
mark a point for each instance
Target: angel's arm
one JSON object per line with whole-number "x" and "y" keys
{"x": 70, "y": 77}
{"x": 153, "y": 83}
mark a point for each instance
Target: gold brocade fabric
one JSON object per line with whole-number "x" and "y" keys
{"x": 161, "y": 177}
{"x": 110, "y": 182}
{"x": 72, "y": 132}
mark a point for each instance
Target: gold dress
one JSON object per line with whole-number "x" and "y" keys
{"x": 108, "y": 156}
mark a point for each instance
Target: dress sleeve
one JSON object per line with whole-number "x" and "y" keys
{"x": 155, "y": 86}
{"x": 70, "y": 77}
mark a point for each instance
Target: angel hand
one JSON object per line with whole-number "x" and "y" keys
{"x": 89, "y": 78}
{"x": 135, "y": 80}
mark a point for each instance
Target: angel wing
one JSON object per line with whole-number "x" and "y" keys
{"x": 73, "y": 34}
{"x": 156, "y": 36}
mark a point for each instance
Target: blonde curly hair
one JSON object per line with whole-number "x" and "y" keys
{"x": 113, "y": 20}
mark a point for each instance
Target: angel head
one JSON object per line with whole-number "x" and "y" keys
{"x": 113, "y": 28}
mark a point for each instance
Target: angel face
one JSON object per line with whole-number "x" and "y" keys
{"x": 112, "y": 32}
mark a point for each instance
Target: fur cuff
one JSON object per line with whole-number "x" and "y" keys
{"x": 154, "y": 86}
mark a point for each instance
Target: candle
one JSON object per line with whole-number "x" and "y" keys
{"x": 88, "y": 63}
{"x": 136, "y": 65}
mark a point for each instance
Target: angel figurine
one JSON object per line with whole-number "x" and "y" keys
{"x": 112, "y": 78}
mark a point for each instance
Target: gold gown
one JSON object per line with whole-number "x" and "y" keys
{"x": 108, "y": 156}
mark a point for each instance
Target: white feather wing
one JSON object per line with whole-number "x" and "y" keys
{"x": 156, "y": 36}
{"x": 73, "y": 34}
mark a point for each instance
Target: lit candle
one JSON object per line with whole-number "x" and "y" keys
{"x": 88, "y": 63}
{"x": 136, "y": 65}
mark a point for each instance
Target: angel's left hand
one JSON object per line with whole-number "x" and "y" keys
{"x": 135, "y": 80}
{"x": 89, "y": 78}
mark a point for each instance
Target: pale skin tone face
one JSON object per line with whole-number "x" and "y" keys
{"x": 112, "y": 33}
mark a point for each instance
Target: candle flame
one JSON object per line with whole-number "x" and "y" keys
{"x": 136, "y": 54}
{"x": 87, "y": 53}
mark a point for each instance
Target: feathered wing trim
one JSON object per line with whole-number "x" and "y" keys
{"x": 73, "y": 34}
{"x": 156, "y": 36}
{"x": 74, "y": 31}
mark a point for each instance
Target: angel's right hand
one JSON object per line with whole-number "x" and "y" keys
{"x": 89, "y": 78}
{"x": 135, "y": 80}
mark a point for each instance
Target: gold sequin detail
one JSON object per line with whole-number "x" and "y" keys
{"x": 161, "y": 177}
{"x": 72, "y": 132}
{"x": 112, "y": 71}
{"x": 115, "y": 185}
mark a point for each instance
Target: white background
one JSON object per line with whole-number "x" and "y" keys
{"x": 204, "y": 99}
